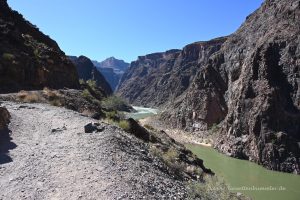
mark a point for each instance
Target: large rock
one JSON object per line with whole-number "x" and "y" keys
{"x": 4, "y": 117}
{"x": 87, "y": 71}
{"x": 28, "y": 58}
{"x": 249, "y": 84}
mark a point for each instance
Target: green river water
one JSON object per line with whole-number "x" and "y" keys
{"x": 142, "y": 112}
{"x": 240, "y": 175}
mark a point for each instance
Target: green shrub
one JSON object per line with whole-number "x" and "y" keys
{"x": 86, "y": 94}
{"x": 111, "y": 115}
{"x": 81, "y": 81}
{"x": 113, "y": 103}
{"x": 92, "y": 84}
{"x": 8, "y": 56}
{"x": 170, "y": 158}
{"x": 214, "y": 129}
{"x": 36, "y": 52}
{"x": 124, "y": 124}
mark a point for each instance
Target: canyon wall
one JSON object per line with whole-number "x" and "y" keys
{"x": 248, "y": 85}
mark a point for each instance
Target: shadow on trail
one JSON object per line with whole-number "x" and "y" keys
{"x": 5, "y": 145}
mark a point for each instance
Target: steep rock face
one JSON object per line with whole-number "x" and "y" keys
{"x": 262, "y": 62}
{"x": 111, "y": 76}
{"x": 86, "y": 70}
{"x": 156, "y": 79}
{"x": 112, "y": 69}
{"x": 28, "y": 58}
{"x": 250, "y": 86}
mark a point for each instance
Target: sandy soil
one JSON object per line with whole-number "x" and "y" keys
{"x": 178, "y": 135}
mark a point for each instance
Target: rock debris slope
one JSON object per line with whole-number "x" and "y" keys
{"x": 54, "y": 158}
{"x": 249, "y": 86}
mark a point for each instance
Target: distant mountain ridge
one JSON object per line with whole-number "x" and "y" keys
{"x": 112, "y": 69}
{"x": 119, "y": 66}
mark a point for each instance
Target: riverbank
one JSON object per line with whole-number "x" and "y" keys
{"x": 178, "y": 135}
{"x": 141, "y": 113}
{"x": 241, "y": 176}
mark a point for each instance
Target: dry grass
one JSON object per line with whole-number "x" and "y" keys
{"x": 53, "y": 97}
{"x": 29, "y": 97}
{"x": 46, "y": 96}
{"x": 156, "y": 151}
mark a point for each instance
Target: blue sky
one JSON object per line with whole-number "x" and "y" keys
{"x": 126, "y": 29}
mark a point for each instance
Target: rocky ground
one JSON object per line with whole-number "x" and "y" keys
{"x": 51, "y": 157}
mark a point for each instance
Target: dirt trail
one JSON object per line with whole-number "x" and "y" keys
{"x": 50, "y": 157}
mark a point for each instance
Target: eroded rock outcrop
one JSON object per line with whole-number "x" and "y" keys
{"x": 249, "y": 86}
{"x": 28, "y": 58}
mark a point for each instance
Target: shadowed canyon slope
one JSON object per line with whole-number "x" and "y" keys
{"x": 87, "y": 71}
{"x": 28, "y": 58}
{"x": 248, "y": 83}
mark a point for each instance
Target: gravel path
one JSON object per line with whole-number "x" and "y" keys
{"x": 50, "y": 157}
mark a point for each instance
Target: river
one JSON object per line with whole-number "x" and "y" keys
{"x": 142, "y": 112}
{"x": 262, "y": 184}
{"x": 238, "y": 173}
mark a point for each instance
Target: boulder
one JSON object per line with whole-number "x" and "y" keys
{"x": 4, "y": 117}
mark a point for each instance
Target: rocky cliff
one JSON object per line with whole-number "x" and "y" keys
{"x": 158, "y": 79}
{"x": 249, "y": 86}
{"x": 28, "y": 58}
{"x": 112, "y": 69}
{"x": 111, "y": 76}
{"x": 87, "y": 71}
